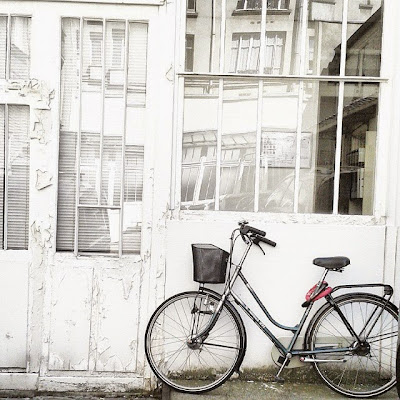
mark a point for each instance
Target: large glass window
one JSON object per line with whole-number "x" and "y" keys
{"x": 300, "y": 137}
{"x": 103, "y": 80}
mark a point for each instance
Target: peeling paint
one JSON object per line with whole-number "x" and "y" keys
{"x": 43, "y": 179}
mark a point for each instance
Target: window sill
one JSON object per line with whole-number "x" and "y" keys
{"x": 258, "y": 12}
{"x": 283, "y": 218}
{"x": 366, "y": 6}
{"x": 107, "y": 261}
{"x": 191, "y": 14}
{"x": 332, "y": 2}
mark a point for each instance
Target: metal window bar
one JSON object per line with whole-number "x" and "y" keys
{"x": 339, "y": 127}
{"x": 260, "y": 104}
{"x": 103, "y": 95}
{"x": 6, "y": 164}
{"x": 125, "y": 94}
{"x": 78, "y": 144}
{"x": 299, "y": 132}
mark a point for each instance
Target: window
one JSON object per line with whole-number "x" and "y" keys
{"x": 102, "y": 136}
{"x": 15, "y": 34}
{"x": 191, "y": 6}
{"x": 189, "y": 58}
{"x": 14, "y": 177}
{"x": 257, "y": 4}
{"x": 245, "y": 53}
{"x": 300, "y": 137}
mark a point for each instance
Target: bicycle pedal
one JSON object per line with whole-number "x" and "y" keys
{"x": 280, "y": 380}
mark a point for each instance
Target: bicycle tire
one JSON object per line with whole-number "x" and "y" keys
{"x": 201, "y": 367}
{"x": 364, "y": 372}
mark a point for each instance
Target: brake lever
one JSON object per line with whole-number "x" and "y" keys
{"x": 256, "y": 241}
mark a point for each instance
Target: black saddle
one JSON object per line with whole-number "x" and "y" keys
{"x": 332, "y": 263}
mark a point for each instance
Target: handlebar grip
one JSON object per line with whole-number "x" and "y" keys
{"x": 248, "y": 228}
{"x": 267, "y": 241}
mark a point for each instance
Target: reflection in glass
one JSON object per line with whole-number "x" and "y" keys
{"x": 360, "y": 112}
{"x": 199, "y": 148}
{"x": 325, "y": 35}
{"x": 364, "y": 39}
{"x": 203, "y": 27}
{"x": 242, "y": 36}
{"x": 278, "y": 147}
{"x": 320, "y": 107}
{"x": 239, "y": 124}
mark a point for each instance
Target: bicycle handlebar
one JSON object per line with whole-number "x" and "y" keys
{"x": 258, "y": 235}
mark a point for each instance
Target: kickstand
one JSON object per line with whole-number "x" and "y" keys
{"x": 286, "y": 361}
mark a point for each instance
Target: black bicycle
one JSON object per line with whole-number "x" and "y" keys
{"x": 196, "y": 340}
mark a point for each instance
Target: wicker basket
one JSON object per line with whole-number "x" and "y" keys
{"x": 209, "y": 263}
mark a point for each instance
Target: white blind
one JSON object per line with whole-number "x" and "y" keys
{"x": 101, "y": 105}
{"x": 3, "y": 46}
{"x": 20, "y": 47}
{"x": 18, "y": 178}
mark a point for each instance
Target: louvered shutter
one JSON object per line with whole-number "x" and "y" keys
{"x": 18, "y": 177}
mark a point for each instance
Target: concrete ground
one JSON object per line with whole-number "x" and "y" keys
{"x": 256, "y": 390}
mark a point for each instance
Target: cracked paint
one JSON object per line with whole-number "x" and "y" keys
{"x": 43, "y": 179}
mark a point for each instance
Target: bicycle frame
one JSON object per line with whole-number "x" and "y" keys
{"x": 289, "y": 351}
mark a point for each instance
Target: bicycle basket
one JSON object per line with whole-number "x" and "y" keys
{"x": 209, "y": 263}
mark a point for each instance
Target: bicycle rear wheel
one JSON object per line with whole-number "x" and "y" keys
{"x": 194, "y": 367}
{"x": 364, "y": 371}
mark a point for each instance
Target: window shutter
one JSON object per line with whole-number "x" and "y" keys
{"x": 18, "y": 178}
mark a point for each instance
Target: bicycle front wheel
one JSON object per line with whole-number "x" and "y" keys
{"x": 194, "y": 367}
{"x": 367, "y": 369}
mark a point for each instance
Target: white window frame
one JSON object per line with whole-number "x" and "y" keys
{"x": 78, "y": 205}
{"x": 381, "y": 172}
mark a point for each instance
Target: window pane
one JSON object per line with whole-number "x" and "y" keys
{"x": 20, "y": 47}
{"x": 133, "y": 196}
{"x": 18, "y": 178}
{"x": 98, "y": 230}
{"x": 364, "y": 38}
{"x": 278, "y": 146}
{"x": 199, "y": 146}
{"x": 3, "y": 46}
{"x": 92, "y": 76}
{"x": 89, "y": 191}
{"x": 137, "y": 68}
{"x": 239, "y": 124}
{"x": 325, "y": 36}
{"x": 318, "y": 147}
{"x": 205, "y": 28}
{"x": 357, "y": 173}
{"x": 69, "y": 115}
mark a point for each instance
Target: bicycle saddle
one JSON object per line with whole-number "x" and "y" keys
{"x": 332, "y": 263}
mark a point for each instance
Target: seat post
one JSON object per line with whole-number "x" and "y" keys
{"x": 319, "y": 284}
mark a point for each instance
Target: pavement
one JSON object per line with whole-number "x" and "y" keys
{"x": 256, "y": 390}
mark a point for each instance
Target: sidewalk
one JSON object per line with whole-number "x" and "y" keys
{"x": 243, "y": 390}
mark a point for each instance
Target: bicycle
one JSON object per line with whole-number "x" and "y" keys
{"x": 196, "y": 340}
